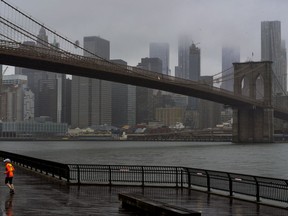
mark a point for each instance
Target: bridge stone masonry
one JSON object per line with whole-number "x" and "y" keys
{"x": 251, "y": 123}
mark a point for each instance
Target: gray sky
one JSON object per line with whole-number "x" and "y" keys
{"x": 130, "y": 25}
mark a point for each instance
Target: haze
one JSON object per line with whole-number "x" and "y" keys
{"x": 130, "y": 25}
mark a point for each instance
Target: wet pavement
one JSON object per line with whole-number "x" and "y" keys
{"x": 38, "y": 195}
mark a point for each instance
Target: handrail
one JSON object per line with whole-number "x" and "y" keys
{"x": 234, "y": 184}
{"x": 55, "y": 169}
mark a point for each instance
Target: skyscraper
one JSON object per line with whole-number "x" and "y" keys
{"x": 209, "y": 111}
{"x": 123, "y": 102}
{"x": 194, "y": 72}
{"x": 91, "y": 98}
{"x": 230, "y": 54}
{"x": 42, "y": 38}
{"x": 66, "y": 101}
{"x": 145, "y": 110}
{"x": 45, "y": 84}
{"x": 161, "y": 51}
{"x": 284, "y": 65}
{"x": 18, "y": 99}
{"x": 182, "y": 70}
{"x": 271, "y": 50}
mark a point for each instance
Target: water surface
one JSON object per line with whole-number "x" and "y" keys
{"x": 255, "y": 159}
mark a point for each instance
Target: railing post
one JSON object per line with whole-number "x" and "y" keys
{"x": 176, "y": 177}
{"x": 257, "y": 190}
{"x": 189, "y": 178}
{"x": 110, "y": 175}
{"x": 78, "y": 174}
{"x": 181, "y": 177}
{"x": 142, "y": 169}
{"x": 230, "y": 185}
{"x": 68, "y": 174}
{"x": 208, "y": 181}
{"x": 60, "y": 173}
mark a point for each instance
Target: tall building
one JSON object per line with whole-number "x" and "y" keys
{"x": 284, "y": 65}
{"x": 17, "y": 99}
{"x": 91, "y": 98}
{"x": 45, "y": 84}
{"x": 194, "y": 72}
{"x": 145, "y": 110}
{"x": 271, "y": 50}
{"x": 230, "y": 55}
{"x": 1, "y": 78}
{"x": 209, "y": 111}
{"x": 189, "y": 65}
{"x": 42, "y": 38}
{"x": 182, "y": 70}
{"x": 66, "y": 101}
{"x": 33, "y": 78}
{"x": 123, "y": 102}
{"x": 161, "y": 51}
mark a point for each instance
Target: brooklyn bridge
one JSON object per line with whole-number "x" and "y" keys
{"x": 253, "y": 115}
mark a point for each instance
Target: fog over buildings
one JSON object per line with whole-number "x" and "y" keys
{"x": 131, "y": 25}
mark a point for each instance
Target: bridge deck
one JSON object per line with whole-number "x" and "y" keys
{"x": 37, "y": 195}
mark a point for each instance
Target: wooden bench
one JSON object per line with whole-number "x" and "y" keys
{"x": 153, "y": 207}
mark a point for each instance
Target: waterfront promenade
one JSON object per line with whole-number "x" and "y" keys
{"x": 40, "y": 195}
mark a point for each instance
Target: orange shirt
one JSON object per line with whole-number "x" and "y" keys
{"x": 9, "y": 170}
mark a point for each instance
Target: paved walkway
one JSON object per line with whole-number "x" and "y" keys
{"x": 37, "y": 195}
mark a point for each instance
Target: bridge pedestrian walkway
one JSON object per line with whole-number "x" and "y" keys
{"x": 41, "y": 196}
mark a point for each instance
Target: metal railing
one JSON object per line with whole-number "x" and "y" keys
{"x": 56, "y": 170}
{"x": 230, "y": 184}
{"x": 127, "y": 174}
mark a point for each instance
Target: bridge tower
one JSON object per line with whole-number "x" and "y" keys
{"x": 253, "y": 124}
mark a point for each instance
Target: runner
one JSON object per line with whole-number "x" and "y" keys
{"x": 9, "y": 171}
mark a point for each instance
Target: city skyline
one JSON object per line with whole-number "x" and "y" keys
{"x": 131, "y": 26}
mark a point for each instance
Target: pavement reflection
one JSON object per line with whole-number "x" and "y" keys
{"x": 9, "y": 204}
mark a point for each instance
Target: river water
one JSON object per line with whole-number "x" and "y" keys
{"x": 268, "y": 160}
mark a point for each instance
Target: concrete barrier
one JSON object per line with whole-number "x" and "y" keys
{"x": 153, "y": 207}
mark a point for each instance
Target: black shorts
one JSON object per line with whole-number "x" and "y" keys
{"x": 8, "y": 180}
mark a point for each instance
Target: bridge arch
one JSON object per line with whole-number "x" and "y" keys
{"x": 254, "y": 76}
{"x": 259, "y": 87}
{"x": 251, "y": 123}
{"x": 245, "y": 87}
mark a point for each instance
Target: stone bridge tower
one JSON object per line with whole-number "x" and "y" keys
{"x": 252, "y": 124}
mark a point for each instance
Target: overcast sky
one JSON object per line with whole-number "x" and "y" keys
{"x": 130, "y": 25}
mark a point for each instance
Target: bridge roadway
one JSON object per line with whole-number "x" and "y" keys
{"x": 59, "y": 61}
{"x": 40, "y": 195}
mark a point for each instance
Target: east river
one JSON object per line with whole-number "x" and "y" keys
{"x": 268, "y": 160}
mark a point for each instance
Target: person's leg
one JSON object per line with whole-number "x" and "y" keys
{"x": 12, "y": 186}
{"x": 9, "y": 183}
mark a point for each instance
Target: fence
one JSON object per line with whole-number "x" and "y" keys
{"x": 232, "y": 184}
{"x": 128, "y": 175}
{"x": 57, "y": 170}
